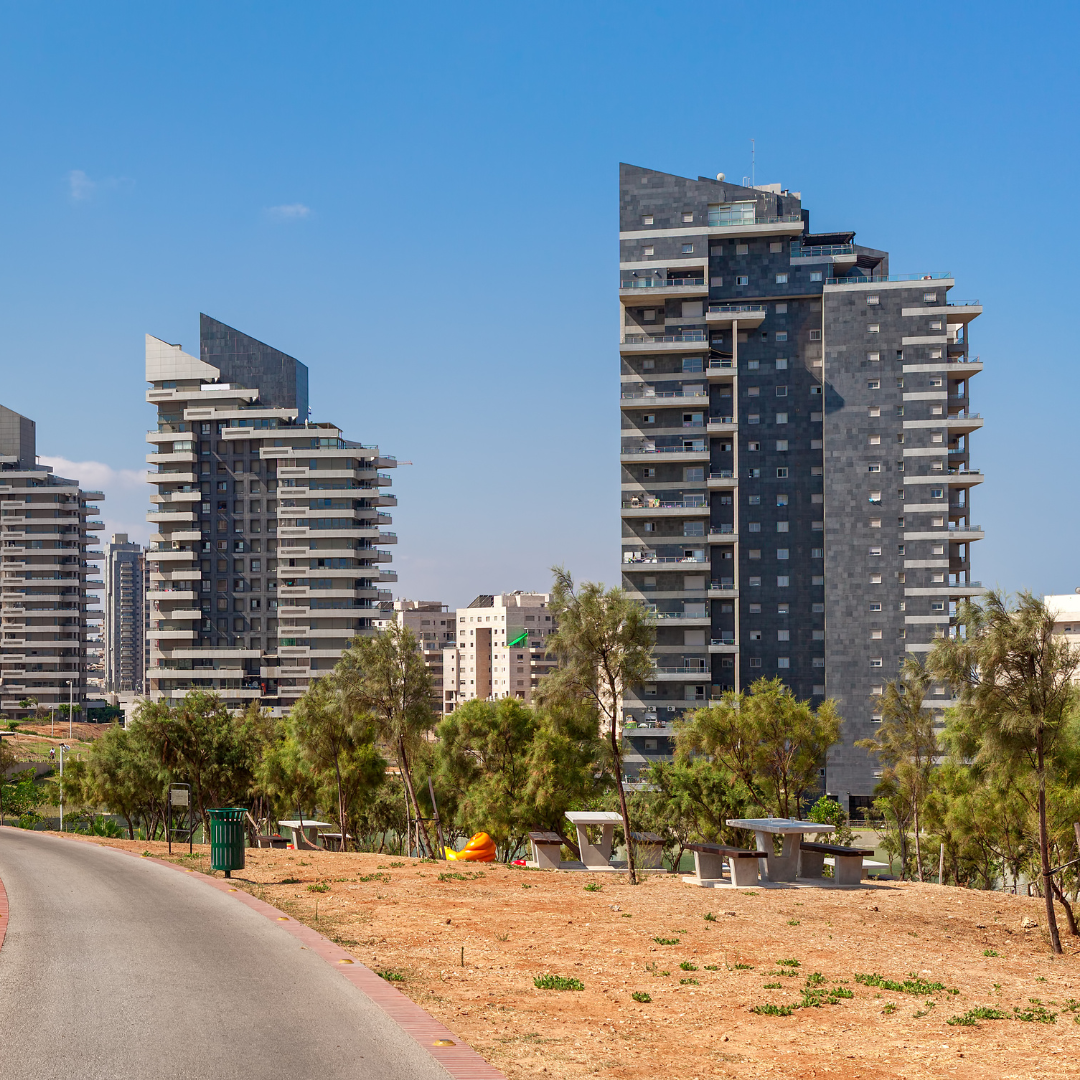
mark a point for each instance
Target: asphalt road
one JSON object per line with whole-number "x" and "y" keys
{"x": 118, "y": 968}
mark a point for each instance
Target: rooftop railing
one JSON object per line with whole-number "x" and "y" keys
{"x": 663, "y": 450}
{"x": 817, "y": 250}
{"x": 722, "y": 474}
{"x": 734, "y": 309}
{"x": 964, "y": 303}
{"x": 892, "y": 277}
{"x": 953, "y": 527}
{"x": 719, "y": 218}
{"x": 634, "y": 395}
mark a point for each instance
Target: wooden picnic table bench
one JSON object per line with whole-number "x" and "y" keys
{"x": 709, "y": 863}
{"x": 547, "y": 847}
{"x": 847, "y": 862}
{"x": 648, "y": 850}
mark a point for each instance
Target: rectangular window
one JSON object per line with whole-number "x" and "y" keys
{"x": 875, "y": 551}
{"x": 782, "y": 553}
{"x": 873, "y": 357}
{"x": 755, "y": 581}
{"x": 875, "y": 440}
{"x": 781, "y": 444}
{"x": 688, "y": 249}
{"x": 753, "y": 418}
{"x": 873, "y": 384}
{"x": 781, "y": 363}
{"x": 781, "y": 279}
{"x": 817, "y": 579}
{"x": 937, "y": 579}
{"x": 937, "y": 493}
{"x": 935, "y": 354}
{"x": 783, "y": 662}
{"x": 875, "y": 579}
{"x": 646, "y": 219}
{"x": 781, "y": 473}
{"x": 781, "y": 309}
{"x": 688, "y": 216}
{"x": 817, "y": 553}
{"x": 875, "y": 635}
{"x": 781, "y": 391}
{"x": 874, "y": 466}
{"x": 754, "y": 553}
{"x": 873, "y": 328}
{"x": 815, "y": 275}
{"x": 783, "y": 635}
{"x": 781, "y": 500}
{"x": 754, "y": 526}
{"x": 755, "y": 661}
{"x": 776, "y": 247}
{"x": 875, "y": 661}
{"x": 753, "y": 446}
{"x": 875, "y": 605}
{"x": 781, "y": 335}
{"x": 781, "y": 417}
{"x": 937, "y": 605}
{"x": 783, "y": 581}
{"x": 753, "y": 391}
{"x": 742, "y": 249}
{"x": 648, "y": 251}
{"x": 929, "y": 297}
{"x": 742, "y": 279}
{"x": 873, "y": 298}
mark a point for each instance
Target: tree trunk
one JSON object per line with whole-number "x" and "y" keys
{"x": 918, "y": 845}
{"x": 340, "y": 804}
{"x": 1070, "y": 918}
{"x": 421, "y": 828}
{"x": 616, "y": 759}
{"x": 1044, "y": 858}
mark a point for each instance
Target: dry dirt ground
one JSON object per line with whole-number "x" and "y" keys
{"x": 704, "y": 957}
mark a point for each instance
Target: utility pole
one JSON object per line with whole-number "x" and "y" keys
{"x": 62, "y": 749}
{"x": 71, "y": 691}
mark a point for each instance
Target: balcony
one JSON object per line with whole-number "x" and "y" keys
{"x": 723, "y": 534}
{"x": 641, "y": 291}
{"x": 961, "y": 425}
{"x": 687, "y": 341}
{"x": 723, "y": 478}
{"x": 724, "y": 589}
{"x": 677, "y": 618}
{"x": 638, "y": 399}
{"x": 646, "y": 563}
{"x": 722, "y": 425}
{"x": 680, "y": 674}
{"x": 885, "y": 280}
{"x": 964, "y": 477}
{"x": 648, "y": 506}
{"x": 720, "y": 368}
{"x": 739, "y": 222}
{"x": 664, "y": 453}
{"x": 723, "y": 645}
{"x": 840, "y": 254}
{"x": 746, "y": 315}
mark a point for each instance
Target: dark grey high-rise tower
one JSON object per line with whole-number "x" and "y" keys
{"x": 265, "y": 564}
{"x": 795, "y": 470}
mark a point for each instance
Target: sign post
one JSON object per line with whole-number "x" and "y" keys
{"x": 179, "y": 796}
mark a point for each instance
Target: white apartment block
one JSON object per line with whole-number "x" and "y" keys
{"x": 45, "y": 563}
{"x": 500, "y": 649}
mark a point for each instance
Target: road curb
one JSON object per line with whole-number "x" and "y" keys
{"x": 3, "y": 913}
{"x": 459, "y": 1059}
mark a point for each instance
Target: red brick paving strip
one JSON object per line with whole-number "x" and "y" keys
{"x": 460, "y": 1060}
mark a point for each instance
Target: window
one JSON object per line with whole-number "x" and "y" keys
{"x": 781, "y": 335}
{"x": 817, "y": 553}
{"x": 781, "y": 500}
{"x": 936, "y": 324}
{"x": 873, "y": 357}
{"x": 781, "y": 309}
{"x": 875, "y": 605}
{"x": 742, "y": 249}
{"x": 688, "y": 249}
{"x": 874, "y": 466}
{"x": 755, "y": 609}
{"x": 875, "y": 497}
{"x": 935, "y": 380}
{"x": 781, "y": 444}
{"x": 776, "y": 247}
{"x": 873, "y": 299}
{"x": 649, "y": 315}
{"x": 754, "y": 526}
{"x": 782, "y": 526}
{"x": 648, "y": 365}
{"x": 817, "y": 579}
{"x": 781, "y": 417}
{"x": 753, "y": 391}
{"x": 782, "y": 553}
{"x": 755, "y": 635}
{"x": 937, "y": 578}
{"x": 688, "y": 216}
{"x": 781, "y": 279}
{"x": 937, "y": 493}
{"x": 937, "y": 549}
{"x": 873, "y": 328}
{"x": 648, "y": 251}
{"x": 875, "y": 440}
{"x": 646, "y": 219}
{"x": 875, "y": 579}
{"x": 935, "y": 410}
{"x": 875, "y": 551}
{"x": 649, "y": 418}
{"x": 939, "y": 605}
{"x": 755, "y": 661}
{"x": 815, "y": 275}
{"x": 753, "y": 418}
{"x": 935, "y": 354}
{"x": 783, "y": 609}
{"x": 752, "y": 365}
{"x": 754, "y": 553}
{"x": 875, "y": 661}
{"x": 938, "y": 523}
{"x": 754, "y": 500}
{"x": 781, "y": 391}
{"x": 781, "y": 364}
{"x": 783, "y": 662}
{"x": 753, "y": 582}
{"x": 873, "y": 384}
{"x": 782, "y": 581}
{"x": 716, "y": 282}
{"x": 781, "y": 473}
{"x": 900, "y": 549}
{"x": 875, "y": 635}
{"x": 875, "y": 523}
{"x": 929, "y": 297}
{"x": 753, "y": 446}
{"x": 742, "y": 279}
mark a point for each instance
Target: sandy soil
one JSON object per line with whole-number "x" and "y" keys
{"x": 510, "y": 925}
{"x": 33, "y": 739}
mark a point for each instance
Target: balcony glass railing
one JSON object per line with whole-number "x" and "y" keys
{"x": 721, "y": 420}
{"x": 747, "y": 216}
{"x": 663, "y": 559}
{"x": 664, "y": 449}
{"x": 649, "y": 503}
{"x": 722, "y": 363}
{"x": 722, "y": 583}
{"x": 855, "y": 280}
{"x": 634, "y": 395}
{"x": 685, "y": 669}
{"x": 964, "y": 303}
{"x": 735, "y": 309}
{"x": 693, "y": 336}
{"x": 660, "y": 283}
{"x": 722, "y": 474}
{"x": 727, "y": 639}
{"x": 816, "y": 251}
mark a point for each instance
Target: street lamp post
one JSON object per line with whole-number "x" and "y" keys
{"x": 71, "y": 691}
{"x": 63, "y": 747}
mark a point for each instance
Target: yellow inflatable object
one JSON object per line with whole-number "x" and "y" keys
{"x": 480, "y": 848}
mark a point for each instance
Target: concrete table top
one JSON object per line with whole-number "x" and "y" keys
{"x": 594, "y": 817}
{"x": 779, "y": 825}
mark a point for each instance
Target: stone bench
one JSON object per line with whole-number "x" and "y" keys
{"x": 847, "y": 864}
{"x": 546, "y": 849}
{"x": 709, "y": 864}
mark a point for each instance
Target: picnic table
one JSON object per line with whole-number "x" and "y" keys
{"x": 304, "y": 833}
{"x": 785, "y": 866}
{"x": 595, "y": 856}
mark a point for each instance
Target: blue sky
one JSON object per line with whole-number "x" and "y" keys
{"x": 420, "y": 202}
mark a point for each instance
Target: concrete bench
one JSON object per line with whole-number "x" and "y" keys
{"x": 648, "y": 850}
{"x": 546, "y": 849}
{"x": 709, "y": 864}
{"x": 847, "y": 864}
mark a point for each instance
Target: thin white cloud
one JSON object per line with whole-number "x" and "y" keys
{"x": 123, "y": 510}
{"x": 80, "y": 185}
{"x": 289, "y": 212}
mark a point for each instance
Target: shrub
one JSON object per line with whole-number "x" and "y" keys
{"x": 557, "y": 982}
{"x": 689, "y": 982}
{"x": 980, "y": 1012}
{"x": 913, "y": 984}
{"x": 666, "y": 940}
{"x": 774, "y": 986}
{"x": 687, "y": 966}
{"x": 640, "y": 995}
{"x": 318, "y": 886}
{"x": 710, "y": 917}
{"x": 744, "y": 967}
{"x": 789, "y": 963}
{"x": 593, "y": 887}
{"x": 991, "y": 952}
{"x": 390, "y": 975}
{"x": 770, "y": 1009}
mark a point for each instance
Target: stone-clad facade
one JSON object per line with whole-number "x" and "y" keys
{"x": 750, "y": 454}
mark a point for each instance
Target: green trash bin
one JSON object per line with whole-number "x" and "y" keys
{"x": 227, "y": 838}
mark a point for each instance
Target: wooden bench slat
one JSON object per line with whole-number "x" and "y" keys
{"x": 647, "y": 837}
{"x": 835, "y": 849}
{"x": 546, "y": 837}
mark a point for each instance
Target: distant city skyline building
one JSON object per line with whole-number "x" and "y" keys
{"x": 432, "y": 624}
{"x": 46, "y": 563}
{"x": 499, "y": 649}
{"x": 796, "y": 475}
{"x": 269, "y": 552}
{"x": 125, "y": 615}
